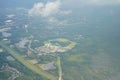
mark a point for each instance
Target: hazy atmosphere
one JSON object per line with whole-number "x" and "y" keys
{"x": 59, "y": 39}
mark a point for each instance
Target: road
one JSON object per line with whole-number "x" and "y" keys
{"x": 59, "y": 68}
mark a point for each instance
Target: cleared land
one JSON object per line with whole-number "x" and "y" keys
{"x": 70, "y": 44}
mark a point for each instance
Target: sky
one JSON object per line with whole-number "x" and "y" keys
{"x": 50, "y": 8}
{"x": 68, "y": 3}
{"x": 64, "y": 7}
{"x": 92, "y": 2}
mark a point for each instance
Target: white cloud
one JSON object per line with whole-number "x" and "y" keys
{"x": 10, "y": 16}
{"x": 46, "y": 10}
{"x": 51, "y": 8}
{"x": 52, "y": 20}
{"x": 9, "y": 22}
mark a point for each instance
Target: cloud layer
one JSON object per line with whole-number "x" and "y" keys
{"x": 46, "y": 10}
